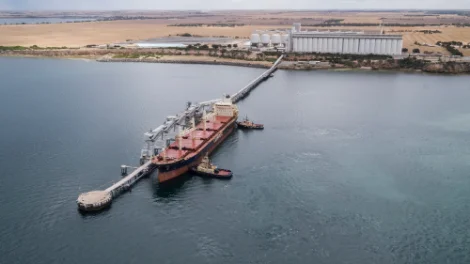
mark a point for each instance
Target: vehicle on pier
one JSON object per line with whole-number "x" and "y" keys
{"x": 207, "y": 169}
{"x": 246, "y": 123}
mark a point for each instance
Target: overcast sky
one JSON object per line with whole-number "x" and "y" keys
{"x": 230, "y": 4}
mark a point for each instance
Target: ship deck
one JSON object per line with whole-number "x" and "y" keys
{"x": 194, "y": 139}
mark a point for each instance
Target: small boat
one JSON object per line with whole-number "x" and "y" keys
{"x": 249, "y": 124}
{"x": 207, "y": 169}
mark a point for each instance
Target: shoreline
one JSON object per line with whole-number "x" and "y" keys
{"x": 108, "y": 57}
{"x": 195, "y": 61}
{"x": 436, "y": 69}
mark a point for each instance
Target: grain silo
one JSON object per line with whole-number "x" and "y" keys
{"x": 276, "y": 39}
{"x": 343, "y": 42}
{"x": 265, "y": 39}
{"x": 255, "y": 39}
{"x": 284, "y": 38}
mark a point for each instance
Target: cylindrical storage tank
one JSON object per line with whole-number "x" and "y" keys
{"x": 367, "y": 47}
{"x": 356, "y": 46}
{"x": 265, "y": 39}
{"x": 397, "y": 47}
{"x": 276, "y": 39}
{"x": 334, "y": 45}
{"x": 351, "y": 46}
{"x": 340, "y": 45}
{"x": 329, "y": 44}
{"x": 383, "y": 48}
{"x": 255, "y": 39}
{"x": 294, "y": 45}
{"x": 372, "y": 46}
{"x": 346, "y": 45}
{"x": 284, "y": 38}
{"x": 389, "y": 47}
{"x": 378, "y": 44}
{"x": 362, "y": 45}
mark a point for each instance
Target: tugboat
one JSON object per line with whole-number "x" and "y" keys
{"x": 207, "y": 169}
{"x": 248, "y": 124}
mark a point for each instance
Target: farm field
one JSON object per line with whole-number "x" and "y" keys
{"x": 244, "y": 23}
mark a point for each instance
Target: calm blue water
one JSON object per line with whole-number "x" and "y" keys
{"x": 351, "y": 167}
{"x": 41, "y": 20}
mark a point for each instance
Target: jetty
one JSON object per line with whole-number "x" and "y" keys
{"x": 156, "y": 140}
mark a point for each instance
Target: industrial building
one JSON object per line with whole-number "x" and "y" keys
{"x": 344, "y": 42}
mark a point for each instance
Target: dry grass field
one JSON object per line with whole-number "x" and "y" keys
{"x": 80, "y": 34}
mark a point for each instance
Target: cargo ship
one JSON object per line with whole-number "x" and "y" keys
{"x": 192, "y": 145}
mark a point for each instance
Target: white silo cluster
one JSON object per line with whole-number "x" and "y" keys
{"x": 268, "y": 38}
{"x": 340, "y": 42}
{"x": 343, "y": 42}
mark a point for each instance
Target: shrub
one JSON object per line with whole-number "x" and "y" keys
{"x": 453, "y": 50}
{"x": 411, "y": 62}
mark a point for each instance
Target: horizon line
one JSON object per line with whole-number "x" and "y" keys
{"x": 237, "y": 9}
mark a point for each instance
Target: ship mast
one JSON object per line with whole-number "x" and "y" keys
{"x": 164, "y": 154}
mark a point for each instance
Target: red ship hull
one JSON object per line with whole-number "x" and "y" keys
{"x": 180, "y": 161}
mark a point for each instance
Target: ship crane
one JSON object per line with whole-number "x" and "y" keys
{"x": 157, "y": 139}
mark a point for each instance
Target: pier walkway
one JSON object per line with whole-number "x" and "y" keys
{"x": 156, "y": 139}
{"x": 130, "y": 179}
{"x": 253, "y": 84}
